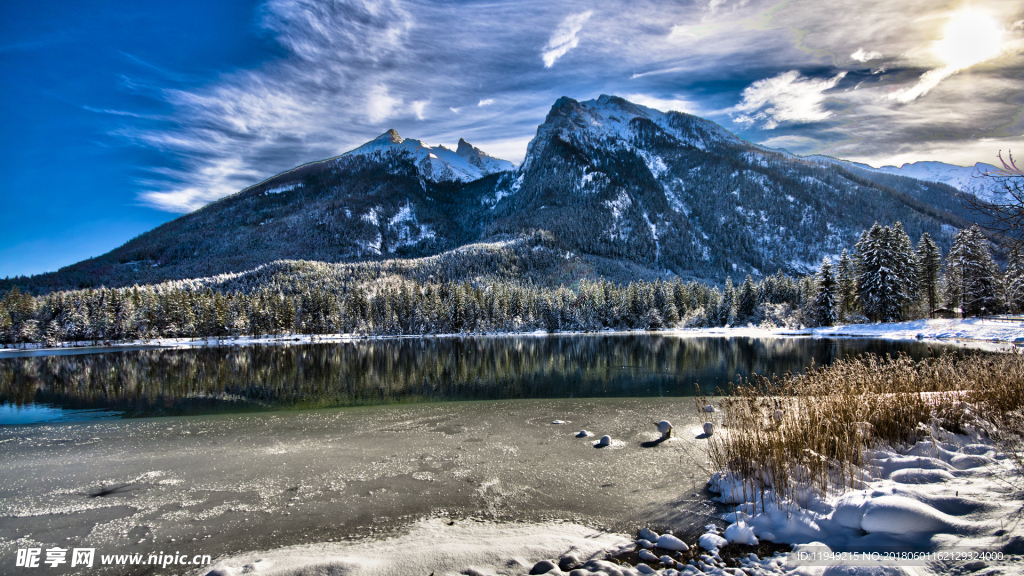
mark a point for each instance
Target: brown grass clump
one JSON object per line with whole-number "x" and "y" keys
{"x": 812, "y": 430}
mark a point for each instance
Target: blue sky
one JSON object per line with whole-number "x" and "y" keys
{"x": 121, "y": 116}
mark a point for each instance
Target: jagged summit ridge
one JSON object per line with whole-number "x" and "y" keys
{"x": 616, "y": 123}
{"x": 436, "y": 163}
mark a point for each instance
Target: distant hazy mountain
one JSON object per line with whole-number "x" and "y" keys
{"x": 625, "y": 186}
{"x": 969, "y": 179}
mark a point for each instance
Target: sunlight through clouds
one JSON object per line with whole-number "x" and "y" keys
{"x": 970, "y": 38}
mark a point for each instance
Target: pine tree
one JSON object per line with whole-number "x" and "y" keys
{"x": 972, "y": 275}
{"x": 884, "y": 273}
{"x": 825, "y": 300}
{"x": 904, "y": 267}
{"x": 746, "y": 302}
{"x": 846, "y": 278}
{"x": 727, "y": 310}
{"x": 929, "y": 260}
{"x": 1013, "y": 282}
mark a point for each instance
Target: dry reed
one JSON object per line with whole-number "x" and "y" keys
{"x": 809, "y": 433}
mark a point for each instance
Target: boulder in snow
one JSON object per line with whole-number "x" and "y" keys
{"x": 543, "y": 567}
{"x": 604, "y": 442}
{"x": 665, "y": 427}
{"x": 712, "y": 541}
{"x": 741, "y": 533}
{"x": 670, "y": 542}
{"x": 709, "y": 429}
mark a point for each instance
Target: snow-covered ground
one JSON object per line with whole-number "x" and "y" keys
{"x": 953, "y": 495}
{"x": 954, "y": 329}
{"x": 970, "y": 330}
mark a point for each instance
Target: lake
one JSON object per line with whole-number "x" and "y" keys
{"x": 226, "y": 379}
{"x": 229, "y": 450}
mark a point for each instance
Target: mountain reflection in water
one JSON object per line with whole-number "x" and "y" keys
{"x": 369, "y": 372}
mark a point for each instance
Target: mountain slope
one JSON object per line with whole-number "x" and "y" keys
{"x": 390, "y": 197}
{"x": 629, "y": 187}
{"x": 675, "y": 191}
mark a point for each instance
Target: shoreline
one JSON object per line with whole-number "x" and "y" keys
{"x": 972, "y": 333}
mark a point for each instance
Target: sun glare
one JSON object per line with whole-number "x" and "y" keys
{"x": 971, "y": 37}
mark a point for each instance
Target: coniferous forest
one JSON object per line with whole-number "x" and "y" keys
{"x": 884, "y": 277}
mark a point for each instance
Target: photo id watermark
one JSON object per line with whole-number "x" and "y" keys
{"x": 87, "y": 558}
{"x": 811, "y": 555}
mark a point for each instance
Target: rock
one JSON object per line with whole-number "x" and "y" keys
{"x": 711, "y": 541}
{"x": 558, "y": 421}
{"x": 709, "y": 408}
{"x": 605, "y": 441}
{"x": 644, "y": 569}
{"x": 777, "y": 415}
{"x": 543, "y": 567}
{"x": 569, "y": 562}
{"x": 648, "y": 556}
{"x": 709, "y": 429}
{"x": 648, "y": 534}
{"x": 665, "y": 427}
{"x": 645, "y": 543}
{"x": 670, "y": 542}
{"x": 667, "y": 560}
{"x": 584, "y": 434}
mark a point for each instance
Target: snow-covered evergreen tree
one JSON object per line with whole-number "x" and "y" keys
{"x": 825, "y": 309}
{"x": 1013, "y": 282}
{"x": 746, "y": 301}
{"x": 846, "y": 277}
{"x": 727, "y": 310}
{"x": 884, "y": 273}
{"x": 929, "y": 264}
{"x": 972, "y": 275}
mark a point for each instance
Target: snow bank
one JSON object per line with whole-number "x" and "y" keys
{"x": 931, "y": 329}
{"x": 917, "y": 497}
{"x": 465, "y": 547}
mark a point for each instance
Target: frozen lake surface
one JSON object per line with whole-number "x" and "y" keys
{"x": 231, "y": 483}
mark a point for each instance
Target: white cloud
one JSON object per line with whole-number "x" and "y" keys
{"x": 380, "y": 105}
{"x": 454, "y": 109}
{"x": 418, "y": 106}
{"x": 862, "y": 55}
{"x": 486, "y": 102}
{"x": 925, "y": 83}
{"x": 663, "y": 104}
{"x": 788, "y": 97}
{"x": 565, "y": 38}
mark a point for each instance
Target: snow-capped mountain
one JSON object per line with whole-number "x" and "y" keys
{"x": 674, "y": 191}
{"x": 624, "y": 186}
{"x": 969, "y": 179}
{"x": 437, "y": 163}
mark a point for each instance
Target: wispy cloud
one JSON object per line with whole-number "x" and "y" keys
{"x": 418, "y": 108}
{"x": 788, "y": 97}
{"x": 348, "y": 69}
{"x": 565, "y": 38}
